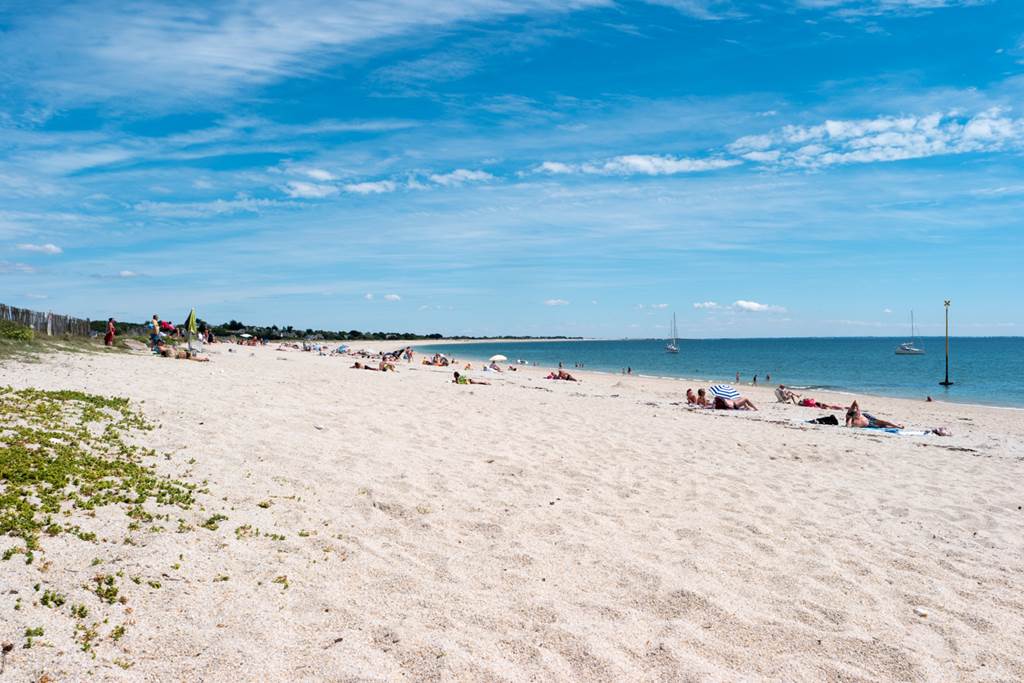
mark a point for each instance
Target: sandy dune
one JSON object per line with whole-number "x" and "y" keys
{"x": 538, "y": 530}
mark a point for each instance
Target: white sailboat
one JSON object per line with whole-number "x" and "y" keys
{"x": 908, "y": 348}
{"x": 673, "y": 346}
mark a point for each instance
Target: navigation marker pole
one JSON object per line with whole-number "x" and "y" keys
{"x": 947, "y": 383}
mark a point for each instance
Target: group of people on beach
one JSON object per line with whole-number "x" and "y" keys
{"x": 701, "y": 400}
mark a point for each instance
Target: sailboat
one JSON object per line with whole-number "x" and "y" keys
{"x": 908, "y": 348}
{"x": 672, "y": 346}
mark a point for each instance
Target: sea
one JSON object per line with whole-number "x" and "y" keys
{"x": 984, "y": 370}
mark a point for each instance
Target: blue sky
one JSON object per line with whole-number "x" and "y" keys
{"x": 772, "y": 168}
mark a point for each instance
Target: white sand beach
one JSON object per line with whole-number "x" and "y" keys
{"x": 533, "y": 530}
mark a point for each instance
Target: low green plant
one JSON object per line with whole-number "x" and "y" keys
{"x": 67, "y": 450}
{"x": 30, "y": 634}
{"x": 106, "y": 588}
{"x": 213, "y": 523}
{"x": 51, "y": 599}
{"x": 16, "y": 331}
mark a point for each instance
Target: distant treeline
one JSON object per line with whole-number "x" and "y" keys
{"x": 237, "y": 327}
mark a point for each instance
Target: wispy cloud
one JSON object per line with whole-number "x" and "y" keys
{"x": 392, "y": 297}
{"x": 460, "y": 176}
{"x": 9, "y": 267}
{"x": 216, "y": 207}
{"x": 742, "y": 305}
{"x": 886, "y": 138}
{"x": 638, "y": 164}
{"x": 556, "y": 302}
{"x": 184, "y": 51}
{"x": 376, "y": 187}
{"x": 41, "y": 248}
{"x": 298, "y": 189}
{"x": 862, "y": 8}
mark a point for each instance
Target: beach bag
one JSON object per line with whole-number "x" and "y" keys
{"x": 826, "y": 420}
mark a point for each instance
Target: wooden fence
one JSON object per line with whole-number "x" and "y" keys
{"x": 45, "y": 323}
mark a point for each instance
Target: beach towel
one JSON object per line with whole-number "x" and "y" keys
{"x": 893, "y": 430}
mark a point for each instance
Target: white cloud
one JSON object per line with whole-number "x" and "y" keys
{"x": 319, "y": 174}
{"x": 639, "y": 164}
{"x": 34, "y": 296}
{"x": 887, "y": 310}
{"x": 378, "y": 187}
{"x": 556, "y": 302}
{"x": 706, "y": 305}
{"x": 555, "y": 167}
{"x": 460, "y": 176}
{"x": 127, "y": 274}
{"x": 885, "y": 138}
{"x": 392, "y": 297}
{"x": 755, "y": 307}
{"x": 659, "y": 305}
{"x": 297, "y": 189}
{"x": 41, "y": 248}
{"x": 368, "y": 296}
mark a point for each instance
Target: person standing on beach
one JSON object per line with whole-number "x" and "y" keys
{"x": 755, "y": 381}
{"x": 108, "y": 338}
{"x": 737, "y": 377}
{"x": 154, "y": 331}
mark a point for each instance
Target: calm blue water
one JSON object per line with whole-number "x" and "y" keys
{"x": 986, "y": 370}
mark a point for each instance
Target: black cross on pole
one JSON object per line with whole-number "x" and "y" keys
{"x": 947, "y": 383}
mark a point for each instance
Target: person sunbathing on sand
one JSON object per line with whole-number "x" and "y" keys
{"x": 360, "y": 366}
{"x": 741, "y": 403}
{"x": 563, "y": 375}
{"x": 855, "y": 418}
{"x": 465, "y": 379}
{"x": 180, "y": 354}
{"x": 812, "y": 403}
{"x": 698, "y": 399}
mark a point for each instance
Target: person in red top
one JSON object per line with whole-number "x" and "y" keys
{"x": 108, "y": 339}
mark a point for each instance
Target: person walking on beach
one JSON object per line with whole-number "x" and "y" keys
{"x": 108, "y": 338}
{"x": 737, "y": 377}
{"x": 755, "y": 381}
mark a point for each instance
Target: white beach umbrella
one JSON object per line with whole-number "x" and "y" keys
{"x": 498, "y": 358}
